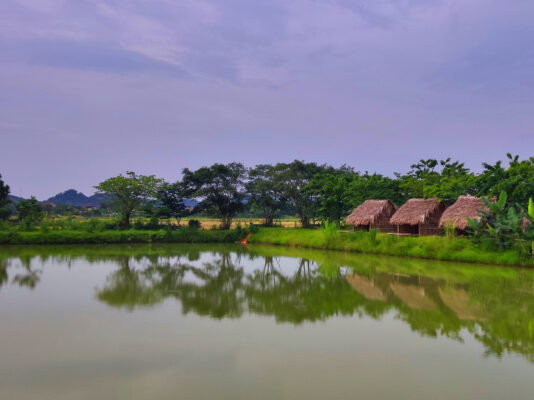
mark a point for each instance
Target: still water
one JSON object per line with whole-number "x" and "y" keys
{"x": 229, "y": 322}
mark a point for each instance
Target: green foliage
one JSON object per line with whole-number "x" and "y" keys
{"x": 4, "y": 200}
{"x": 293, "y": 179}
{"x": 221, "y": 189}
{"x": 121, "y": 236}
{"x": 171, "y": 197}
{"x": 329, "y": 193}
{"x": 444, "y": 179}
{"x": 330, "y": 233}
{"x": 375, "y": 186}
{"x": 30, "y": 213}
{"x": 517, "y": 180}
{"x": 127, "y": 193}
{"x": 193, "y": 224}
{"x": 450, "y": 230}
{"x": 266, "y": 191}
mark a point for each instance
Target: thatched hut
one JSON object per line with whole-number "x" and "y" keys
{"x": 464, "y": 208}
{"x": 418, "y": 217}
{"x": 373, "y": 214}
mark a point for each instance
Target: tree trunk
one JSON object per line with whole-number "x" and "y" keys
{"x": 126, "y": 219}
{"x": 305, "y": 221}
{"x": 269, "y": 220}
{"x": 226, "y": 223}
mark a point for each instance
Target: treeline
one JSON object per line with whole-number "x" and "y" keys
{"x": 309, "y": 191}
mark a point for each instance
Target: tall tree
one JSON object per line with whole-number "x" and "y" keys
{"x": 30, "y": 212}
{"x": 293, "y": 178}
{"x": 265, "y": 191}
{"x": 4, "y": 200}
{"x": 432, "y": 178}
{"x": 329, "y": 192}
{"x": 221, "y": 189}
{"x": 171, "y": 197}
{"x": 127, "y": 193}
{"x": 517, "y": 180}
{"x": 376, "y": 186}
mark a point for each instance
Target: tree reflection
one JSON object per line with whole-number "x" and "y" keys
{"x": 493, "y": 305}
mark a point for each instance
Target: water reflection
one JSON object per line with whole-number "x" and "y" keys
{"x": 495, "y": 305}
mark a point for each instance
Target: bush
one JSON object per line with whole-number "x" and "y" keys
{"x": 193, "y": 224}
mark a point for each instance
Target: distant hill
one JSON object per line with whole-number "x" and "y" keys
{"x": 72, "y": 197}
{"x": 14, "y": 199}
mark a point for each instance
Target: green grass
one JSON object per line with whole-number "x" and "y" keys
{"x": 127, "y": 236}
{"x": 430, "y": 247}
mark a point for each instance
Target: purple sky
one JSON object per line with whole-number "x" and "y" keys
{"x": 90, "y": 89}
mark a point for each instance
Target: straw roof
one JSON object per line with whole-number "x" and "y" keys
{"x": 370, "y": 210}
{"x": 465, "y": 207}
{"x": 416, "y": 211}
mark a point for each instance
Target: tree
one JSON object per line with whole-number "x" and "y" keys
{"x": 293, "y": 178}
{"x": 375, "y": 186}
{"x": 329, "y": 192}
{"x": 4, "y": 200}
{"x": 172, "y": 201}
{"x": 517, "y": 180}
{"x": 30, "y": 212}
{"x": 432, "y": 178}
{"x": 127, "y": 193}
{"x": 265, "y": 191}
{"x": 220, "y": 187}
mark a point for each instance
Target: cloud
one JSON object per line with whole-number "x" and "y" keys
{"x": 158, "y": 85}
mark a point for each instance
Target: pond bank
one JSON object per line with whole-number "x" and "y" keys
{"x": 127, "y": 236}
{"x": 426, "y": 247}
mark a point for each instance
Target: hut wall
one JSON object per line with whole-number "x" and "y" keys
{"x": 383, "y": 225}
{"x": 429, "y": 229}
{"x": 361, "y": 228}
{"x": 407, "y": 229}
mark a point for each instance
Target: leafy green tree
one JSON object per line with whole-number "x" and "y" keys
{"x": 293, "y": 179}
{"x": 30, "y": 213}
{"x": 375, "y": 186}
{"x": 454, "y": 180}
{"x": 329, "y": 193}
{"x": 4, "y": 200}
{"x": 221, "y": 189}
{"x": 265, "y": 191}
{"x": 517, "y": 180}
{"x": 171, "y": 197}
{"x": 432, "y": 178}
{"x": 128, "y": 193}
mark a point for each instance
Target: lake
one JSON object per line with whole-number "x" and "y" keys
{"x": 259, "y": 322}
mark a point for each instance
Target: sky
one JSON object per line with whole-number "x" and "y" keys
{"x": 91, "y": 89}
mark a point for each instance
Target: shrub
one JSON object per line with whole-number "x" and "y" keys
{"x": 194, "y": 224}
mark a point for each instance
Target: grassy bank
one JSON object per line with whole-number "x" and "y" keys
{"x": 127, "y": 236}
{"x": 430, "y": 247}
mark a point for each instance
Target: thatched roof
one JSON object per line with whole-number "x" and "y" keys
{"x": 416, "y": 211}
{"x": 370, "y": 210}
{"x": 465, "y": 207}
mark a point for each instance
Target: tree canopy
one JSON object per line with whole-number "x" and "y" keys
{"x": 128, "y": 192}
{"x": 4, "y": 199}
{"x": 220, "y": 187}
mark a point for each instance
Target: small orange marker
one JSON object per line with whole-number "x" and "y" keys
{"x": 244, "y": 241}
